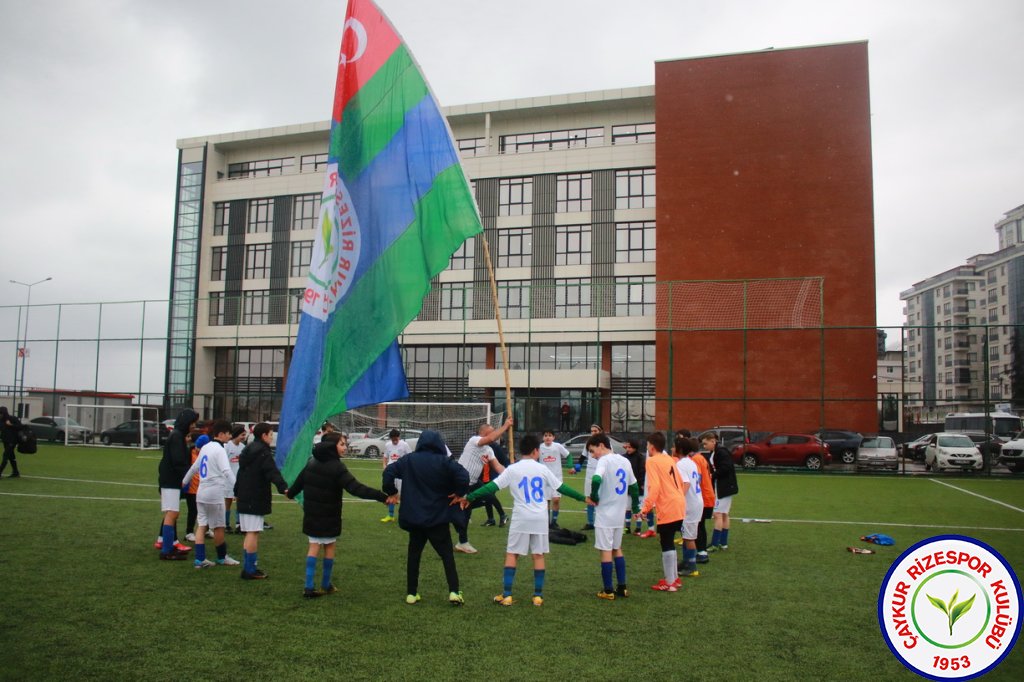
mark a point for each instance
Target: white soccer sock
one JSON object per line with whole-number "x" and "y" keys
{"x": 668, "y": 565}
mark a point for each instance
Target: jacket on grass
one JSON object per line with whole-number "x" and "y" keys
{"x": 428, "y": 478}
{"x": 323, "y": 481}
{"x": 256, "y": 471}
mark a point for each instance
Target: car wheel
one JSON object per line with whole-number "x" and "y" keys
{"x": 373, "y": 451}
{"x": 1017, "y": 468}
{"x": 849, "y": 456}
{"x": 813, "y": 462}
{"x": 105, "y": 440}
{"x": 748, "y": 461}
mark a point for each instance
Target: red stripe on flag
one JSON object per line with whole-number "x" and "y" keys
{"x": 367, "y": 41}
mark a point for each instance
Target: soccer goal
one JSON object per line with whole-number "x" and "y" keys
{"x": 121, "y": 425}
{"x": 456, "y": 422}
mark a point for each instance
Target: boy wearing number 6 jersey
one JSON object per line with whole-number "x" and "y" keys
{"x": 613, "y": 478}
{"x": 528, "y": 480}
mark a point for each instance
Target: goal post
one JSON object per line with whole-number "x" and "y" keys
{"x": 134, "y": 426}
{"x": 456, "y": 422}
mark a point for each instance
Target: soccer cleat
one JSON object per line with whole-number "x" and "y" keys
{"x": 455, "y": 599}
{"x": 412, "y": 598}
{"x": 588, "y": 526}
{"x": 330, "y": 589}
{"x": 723, "y": 547}
{"x": 678, "y": 541}
{"x": 268, "y": 526}
{"x": 663, "y": 586}
{"x": 621, "y": 591}
{"x": 182, "y": 548}
{"x": 606, "y": 594}
{"x": 310, "y": 593}
{"x": 465, "y": 548}
{"x": 554, "y": 526}
{"x": 702, "y": 558}
{"x": 227, "y": 561}
{"x": 205, "y": 563}
{"x": 649, "y": 533}
{"x": 538, "y": 600}
{"x": 689, "y": 573}
{"x": 174, "y": 556}
{"x": 209, "y": 533}
{"x": 159, "y": 544}
{"x": 503, "y": 521}
{"x": 489, "y": 522}
{"x": 191, "y": 537}
{"x": 255, "y": 575}
{"x": 388, "y": 519}
{"x": 677, "y": 583}
{"x": 502, "y": 600}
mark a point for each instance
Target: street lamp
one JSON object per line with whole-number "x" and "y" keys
{"x": 24, "y": 343}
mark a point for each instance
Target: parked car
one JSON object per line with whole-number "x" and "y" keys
{"x": 728, "y": 436}
{"x": 248, "y": 426}
{"x": 914, "y": 450}
{"x": 843, "y": 444}
{"x": 127, "y": 433}
{"x": 1012, "y": 453}
{"x": 784, "y": 448}
{"x": 54, "y": 428}
{"x": 374, "y": 444}
{"x": 989, "y": 446}
{"x": 168, "y": 425}
{"x": 878, "y": 451}
{"x": 576, "y": 444}
{"x": 952, "y": 451}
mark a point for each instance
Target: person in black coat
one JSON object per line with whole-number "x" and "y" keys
{"x": 10, "y": 426}
{"x": 256, "y": 471}
{"x": 430, "y": 481}
{"x": 726, "y": 485}
{"x": 323, "y": 480}
{"x": 174, "y": 464}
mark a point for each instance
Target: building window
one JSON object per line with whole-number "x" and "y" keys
{"x": 572, "y": 298}
{"x": 572, "y": 245}
{"x": 634, "y": 242}
{"x": 302, "y": 254}
{"x": 311, "y": 163}
{"x": 632, "y": 384}
{"x": 471, "y": 146}
{"x": 515, "y": 196}
{"x": 456, "y": 300}
{"x": 221, "y": 210}
{"x": 305, "y": 211}
{"x": 515, "y": 247}
{"x": 218, "y": 263}
{"x": 573, "y": 192}
{"x": 261, "y": 215}
{"x": 633, "y": 133}
{"x": 634, "y": 188}
{"x": 550, "y": 140}
{"x": 634, "y": 296}
{"x": 514, "y": 299}
{"x": 216, "y": 318}
{"x": 555, "y": 356}
{"x": 295, "y": 300}
{"x": 462, "y": 259}
{"x": 262, "y": 168}
{"x": 256, "y": 307}
{"x": 257, "y": 261}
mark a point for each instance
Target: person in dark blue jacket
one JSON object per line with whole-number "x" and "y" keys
{"x": 430, "y": 481}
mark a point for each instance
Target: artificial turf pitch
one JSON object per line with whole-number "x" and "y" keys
{"x": 83, "y": 595}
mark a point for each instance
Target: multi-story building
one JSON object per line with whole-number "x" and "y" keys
{"x": 961, "y": 340}
{"x": 763, "y": 172}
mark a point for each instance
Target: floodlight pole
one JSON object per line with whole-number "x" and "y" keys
{"x": 24, "y": 343}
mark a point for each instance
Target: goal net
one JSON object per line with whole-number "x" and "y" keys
{"x": 117, "y": 425}
{"x": 456, "y": 422}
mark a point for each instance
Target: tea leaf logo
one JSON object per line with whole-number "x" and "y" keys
{"x": 953, "y": 610}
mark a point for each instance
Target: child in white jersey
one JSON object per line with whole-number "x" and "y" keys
{"x": 216, "y": 482}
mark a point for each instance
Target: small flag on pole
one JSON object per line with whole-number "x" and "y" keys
{"x": 396, "y": 204}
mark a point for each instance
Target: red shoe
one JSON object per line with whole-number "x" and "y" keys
{"x": 182, "y": 548}
{"x": 649, "y": 533}
{"x": 663, "y": 586}
{"x": 159, "y": 544}
{"x": 678, "y": 583}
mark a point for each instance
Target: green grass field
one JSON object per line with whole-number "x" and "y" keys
{"x": 84, "y": 597}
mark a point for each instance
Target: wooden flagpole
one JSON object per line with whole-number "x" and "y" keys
{"x": 504, "y": 350}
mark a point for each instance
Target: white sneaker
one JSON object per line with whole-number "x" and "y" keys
{"x": 209, "y": 533}
{"x": 465, "y": 548}
{"x": 191, "y": 537}
{"x": 227, "y": 561}
{"x": 205, "y": 563}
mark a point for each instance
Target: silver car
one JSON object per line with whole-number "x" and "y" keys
{"x": 879, "y": 451}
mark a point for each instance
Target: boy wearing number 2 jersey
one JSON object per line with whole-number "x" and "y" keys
{"x": 613, "y": 478}
{"x": 528, "y": 480}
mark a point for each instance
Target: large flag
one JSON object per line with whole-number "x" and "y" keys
{"x": 395, "y": 206}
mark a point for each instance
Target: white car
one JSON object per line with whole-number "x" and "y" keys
{"x": 373, "y": 445}
{"x": 879, "y": 451}
{"x": 248, "y": 432}
{"x": 576, "y": 444}
{"x": 952, "y": 451}
{"x": 1012, "y": 453}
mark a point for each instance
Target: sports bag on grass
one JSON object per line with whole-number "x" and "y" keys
{"x": 27, "y": 441}
{"x": 879, "y": 539}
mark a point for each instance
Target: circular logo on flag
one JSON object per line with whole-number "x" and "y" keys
{"x": 949, "y": 608}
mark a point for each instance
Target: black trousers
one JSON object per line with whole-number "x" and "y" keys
{"x": 461, "y": 521}
{"x": 440, "y": 539}
{"x": 10, "y": 455}
{"x": 667, "y": 534}
{"x": 193, "y": 513}
{"x": 702, "y": 531}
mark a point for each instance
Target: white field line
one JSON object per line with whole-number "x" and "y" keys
{"x": 83, "y": 480}
{"x": 78, "y": 497}
{"x": 970, "y": 492}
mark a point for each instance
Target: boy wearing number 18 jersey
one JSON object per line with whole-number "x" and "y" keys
{"x": 528, "y": 480}
{"x": 613, "y": 478}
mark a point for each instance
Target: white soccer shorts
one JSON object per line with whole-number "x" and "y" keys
{"x": 723, "y": 505}
{"x": 250, "y": 523}
{"x": 210, "y": 514}
{"x": 607, "y": 539}
{"x": 527, "y": 543}
{"x": 170, "y": 499}
{"x": 690, "y": 529}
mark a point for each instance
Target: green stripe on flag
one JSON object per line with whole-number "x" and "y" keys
{"x": 372, "y": 118}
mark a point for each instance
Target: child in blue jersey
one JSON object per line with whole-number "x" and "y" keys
{"x": 613, "y": 479}
{"x": 529, "y": 481}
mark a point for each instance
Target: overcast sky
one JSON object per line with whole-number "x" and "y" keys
{"x": 96, "y": 93}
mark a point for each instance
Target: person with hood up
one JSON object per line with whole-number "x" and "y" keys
{"x": 256, "y": 471}
{"x": 173, "y": 465}
{"x": 323, "y": 480}
{"x": 430, "y": 481}
{"x": 9, "y": 428}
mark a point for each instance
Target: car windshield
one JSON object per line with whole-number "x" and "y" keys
{"x": 955, "y": 442}
{"x": 882, "y": 442}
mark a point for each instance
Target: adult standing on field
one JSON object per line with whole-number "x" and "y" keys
{"x": 173, "y": 465}
{"x": 9, "y": 428}
{"x": 475, "y": 456}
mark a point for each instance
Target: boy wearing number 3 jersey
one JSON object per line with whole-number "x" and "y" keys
{"x": 528, "y": 480}
{"x": 613, "y": 478}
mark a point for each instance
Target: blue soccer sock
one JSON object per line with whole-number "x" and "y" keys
{"x": 227, "y": 518}
{"x": 507, "y": 580}
{"x": 554, "y": 516}
{"x": 590, "y": 515}
{"x": 245, "y": 560}
{"x": 222, "y": 551}
{"x": 606, "y": 575}
{"x": 391, "y": 510}
{"x": 538, "y": 582}
{"x": 325, "y": 581}
{"x": 690, "y": 558}
{"x": 253, "y": 559}
{"x": 650, "y": 520}
{"x": 167, "y": 537}
{"x": 201, "y": 553}
{"x": 620, "y": 569}
{"x": 310, "y": 571}
{"x": 716, "y": 537}
{"x": 725, "y": 537}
